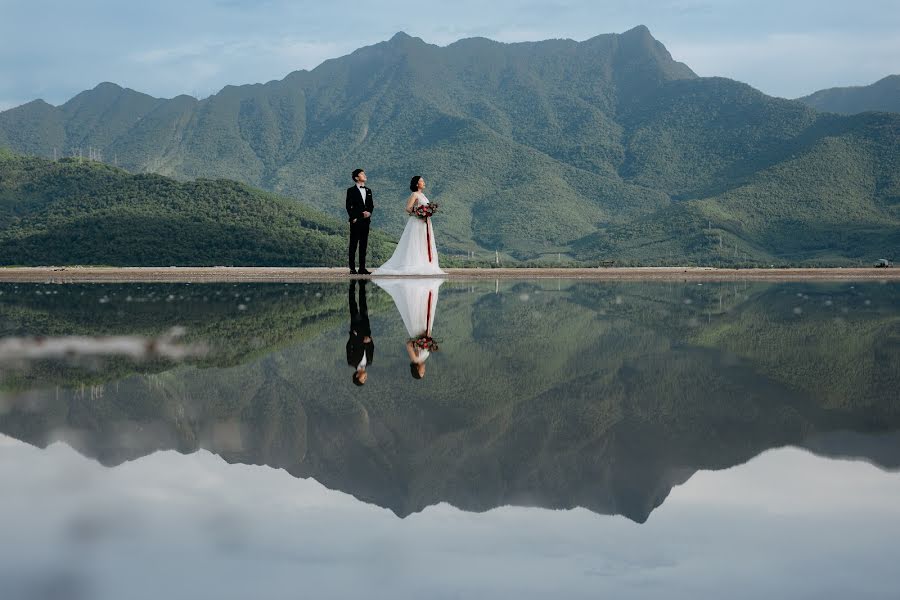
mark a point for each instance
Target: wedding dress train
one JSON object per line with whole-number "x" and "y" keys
{"x": 416, "y": 252}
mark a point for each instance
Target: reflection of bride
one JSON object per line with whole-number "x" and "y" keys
{"x": 416, "y": 300}
{"x": 416, "y": 252}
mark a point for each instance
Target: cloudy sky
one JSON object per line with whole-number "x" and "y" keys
{"x": 52, "y": 49}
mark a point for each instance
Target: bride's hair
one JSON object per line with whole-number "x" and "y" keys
{"x": 414, "y": 183}
{"x": 414, "y": 370}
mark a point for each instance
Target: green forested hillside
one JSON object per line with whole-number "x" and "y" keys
{"x": 883, "y": 95}
{"x": 606, "y": 149}
{"x": 85, "y": 212}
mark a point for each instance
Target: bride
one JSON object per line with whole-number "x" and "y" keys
{"x": 416, "y": 252}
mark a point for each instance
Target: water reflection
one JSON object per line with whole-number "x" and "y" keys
{"x": 416, "y": 300}
{"x": 553, "y": 394}
{"x": 360, "y": 346}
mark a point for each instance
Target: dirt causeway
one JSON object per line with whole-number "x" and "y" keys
{"x": 291, "y": 274}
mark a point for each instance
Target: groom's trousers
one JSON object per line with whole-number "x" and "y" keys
{"x": 359, "y": 236}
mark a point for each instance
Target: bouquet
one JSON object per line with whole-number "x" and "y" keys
{"x": 423, "y": 211}
{"x": 425, "y": 342}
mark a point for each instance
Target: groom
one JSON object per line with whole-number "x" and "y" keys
{"x": 359, "y": 209}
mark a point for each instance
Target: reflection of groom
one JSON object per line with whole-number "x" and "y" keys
{"x": 359, "y": 211}
{"x": 360, "y": 347}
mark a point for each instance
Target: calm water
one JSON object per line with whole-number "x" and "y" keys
{"x": 572, "y": 439}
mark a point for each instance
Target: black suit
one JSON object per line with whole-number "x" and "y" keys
{"x": 359, "y": 328}
{"x": 359, "y": 225}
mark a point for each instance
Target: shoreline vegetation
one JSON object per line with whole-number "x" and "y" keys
{"x": 87, "y": 274}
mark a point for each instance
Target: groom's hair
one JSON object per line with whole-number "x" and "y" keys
{"x": 356, "y": 173}
{"x": 414, "y": 183}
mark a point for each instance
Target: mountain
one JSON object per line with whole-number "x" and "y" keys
{"x": 84, "y": 212}
{"x": 883, "y": 96}
{"x": 606, "y": 149}
{"x": 543, "y": 394}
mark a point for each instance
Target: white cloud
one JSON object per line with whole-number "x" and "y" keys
{"x": 55, "y": 50}
{"x": 794, "y": 64}
{"x": 210, "y": 65}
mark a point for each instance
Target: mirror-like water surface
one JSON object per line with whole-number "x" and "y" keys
{"x": 408, "y": 438}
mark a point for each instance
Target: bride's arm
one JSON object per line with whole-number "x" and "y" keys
{"x": 411, "y": 350}
{"x": 410, "y": 202}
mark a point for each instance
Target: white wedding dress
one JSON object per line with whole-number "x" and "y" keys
{"x": 411, "y": 255}
{"x": 416, "y": 301}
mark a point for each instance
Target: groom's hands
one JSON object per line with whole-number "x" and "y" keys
{"x": 366, "y": 214}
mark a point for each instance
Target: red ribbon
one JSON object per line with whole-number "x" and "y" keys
{"x": 428, "y": 240}
{"x": 428, "y": 315}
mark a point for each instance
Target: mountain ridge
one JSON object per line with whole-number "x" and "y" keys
{"x": 882, "y": 95}
{"x": 533, "y": 149}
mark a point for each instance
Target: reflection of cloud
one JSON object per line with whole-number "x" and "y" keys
{"x": 793, "y": 482}
{"x": 73, "y": 346}
{"x": 215, "y": 529}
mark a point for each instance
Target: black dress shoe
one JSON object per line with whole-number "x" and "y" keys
{"x": 353, "y": 271}
{"x": 365, "y": 272}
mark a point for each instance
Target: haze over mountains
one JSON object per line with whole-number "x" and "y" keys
{"x": 606, "y": 149}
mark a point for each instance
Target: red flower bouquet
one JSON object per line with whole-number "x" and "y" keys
{"x": 425, "y": 342}
{"x": 423, "y": 211}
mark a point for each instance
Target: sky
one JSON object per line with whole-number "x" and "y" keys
{"x": 53, "y": 49}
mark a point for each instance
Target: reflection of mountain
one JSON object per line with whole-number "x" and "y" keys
{"x": 238, "y": 322}
{"x": 882, "y": 450}
{"x": 602, "y": 396}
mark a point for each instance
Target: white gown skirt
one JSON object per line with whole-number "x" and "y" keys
{"x": 416, "y": 301}
{"x": 411, "y": 255}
